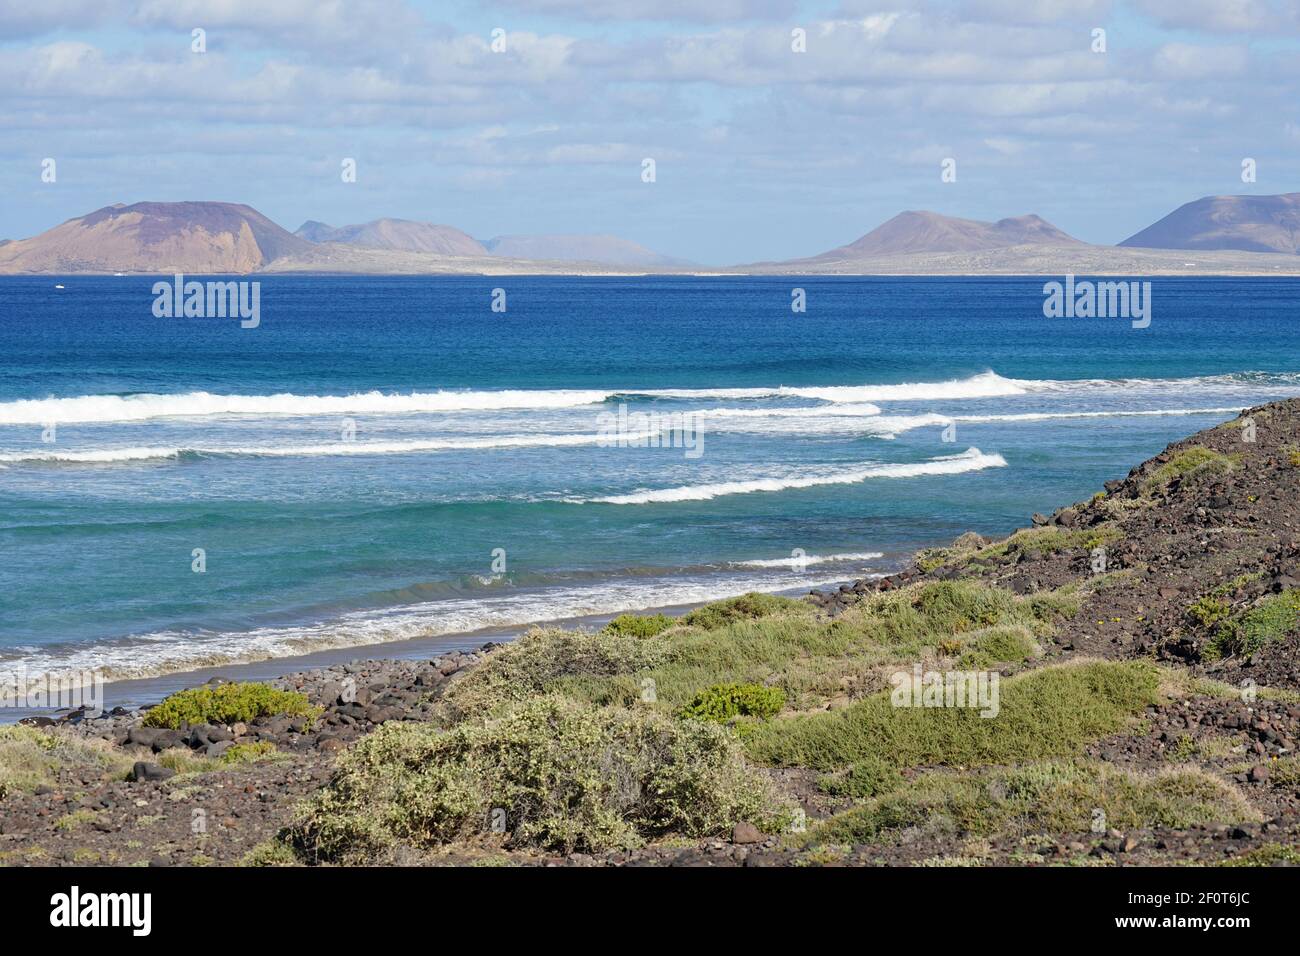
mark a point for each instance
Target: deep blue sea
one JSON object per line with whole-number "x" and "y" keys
{"x": 388, "y": 458}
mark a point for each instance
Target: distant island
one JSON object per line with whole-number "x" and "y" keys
{"x": 1215, "y": 235}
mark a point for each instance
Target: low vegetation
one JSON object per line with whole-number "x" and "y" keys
{"x": 1208, "y": 610}
{"x": 551, "y": 773}
{"x": 747, "y": 607}
{"x": 31, "y": 758}
{"x": 1191, "y": 466}
{"x": 782, "y": 645}
{"x": 1032, "y": 542}
{"x": 1268, "y": 620}
{"x": 1047, "y": 712}
{"x": 227, "y": 704}
{"x": 639, "y": 625}
{"x": 543, "y": 659}
{"x": 723, "y": 702}
{"x": 1051, "y": 796}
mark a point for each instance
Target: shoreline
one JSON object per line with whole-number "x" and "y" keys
{"x": 134, "y": 692}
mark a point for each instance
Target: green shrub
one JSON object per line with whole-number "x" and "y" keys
{"x": 1208, "y": 611}
{"x": 1269, "y": 620}
{"x": 1048, "y": 796}
{"x": 253, "y": 753}
{"x": 228, "y": 703}
{"x": 722, "y": 702}
{"x": 1034, "y": 542}
{"x": 1270, "y": 854}
{"x": 639, "y": 625}
{"x": 746, "y": 607}
{"x": 997, "y": 645}
{"x": 544, "y": 661}
{"x": 31, "y": 758}
{"x": 271, "y": 852}
{"x": 868, "y": 777}
{"x": 568, "y": 776}
{"x": 1048, "y": 712}
{"x": 1194, "y": 465}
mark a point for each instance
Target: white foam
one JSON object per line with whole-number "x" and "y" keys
{"x": 129, "y": 408}
{"x": 169, "y": 652}
{"x": 132, "y": 408}
{"x": 1118, "y": 413}
{"x": 98, "y": 456}
{"x": 983, "y": 385}
{"x": 856, "y": 410}
{"x": 972, "y": 459}
{"x": 329, "y": 449}
{"x": 808, "y": 560}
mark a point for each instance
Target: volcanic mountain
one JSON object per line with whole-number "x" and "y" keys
{"x": 403, "y": 235}
{"x": 156, "y": 237}
{"x": 1246, "y": 223}
{"x": 913, "y": 232}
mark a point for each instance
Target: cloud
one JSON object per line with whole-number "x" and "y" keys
{"x": 1039, "y": 11}
{"x": 1183, "y": 61}
{"x": 1233, "y": 16}
{"x": 745, "y": 129}
{"x": 712, "y": 11}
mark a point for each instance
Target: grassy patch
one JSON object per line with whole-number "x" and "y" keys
{"x": 1034, "y": 542}
{"x": 543, "y": 659}
{"x": 272, "y": 852}
{"x": 1271, "y": 854}
{"x": 639, "y": 625}
{"x": 995, "y": 645}
{"x": 1208, "y": 611}
{"x": 1192, "y": 466}
{"x": 1269, "y": 620}
{"x": 551, "y": 773}
{"x": 1051, "y": 796}
{"x": 228, "y": 703}
{"x": 186, "y": 761}
{"x": 810, "y": 659}
{"x": 259, "y": 752}
{"x": 1228, "y": 588}
{"x": 722, "y": 702}
{"x": 1043, "y": 713}
{"x": 76, "y": 819}
{"x": 868, "y": 777}
{"x": 747, "y": 607}
{"x": 31, "y": 758}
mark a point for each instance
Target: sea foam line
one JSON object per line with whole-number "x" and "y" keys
{"x": 129, "y": 408}
{"x": 112, "y": 455}
{"x": 169, "y": 652}
{"x": 132, "y": 408}
{"x": 972, "y": 459}
{"x": 805, "y": 560}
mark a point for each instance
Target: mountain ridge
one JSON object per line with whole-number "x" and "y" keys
{"x": 1241, "y": 223}
{"x": 1223, "y": 235}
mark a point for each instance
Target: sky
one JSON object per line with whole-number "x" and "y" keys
{"x": 761, "y": 150}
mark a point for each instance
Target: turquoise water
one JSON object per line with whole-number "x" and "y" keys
{"x": 352, "y": 468}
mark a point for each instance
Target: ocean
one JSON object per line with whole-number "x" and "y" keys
{"x": 387, "y": 458}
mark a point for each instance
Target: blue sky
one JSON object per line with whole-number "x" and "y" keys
{"x": 760, "y": 152}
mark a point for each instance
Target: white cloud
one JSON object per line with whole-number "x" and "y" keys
{"x": 1235, "y": 16}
